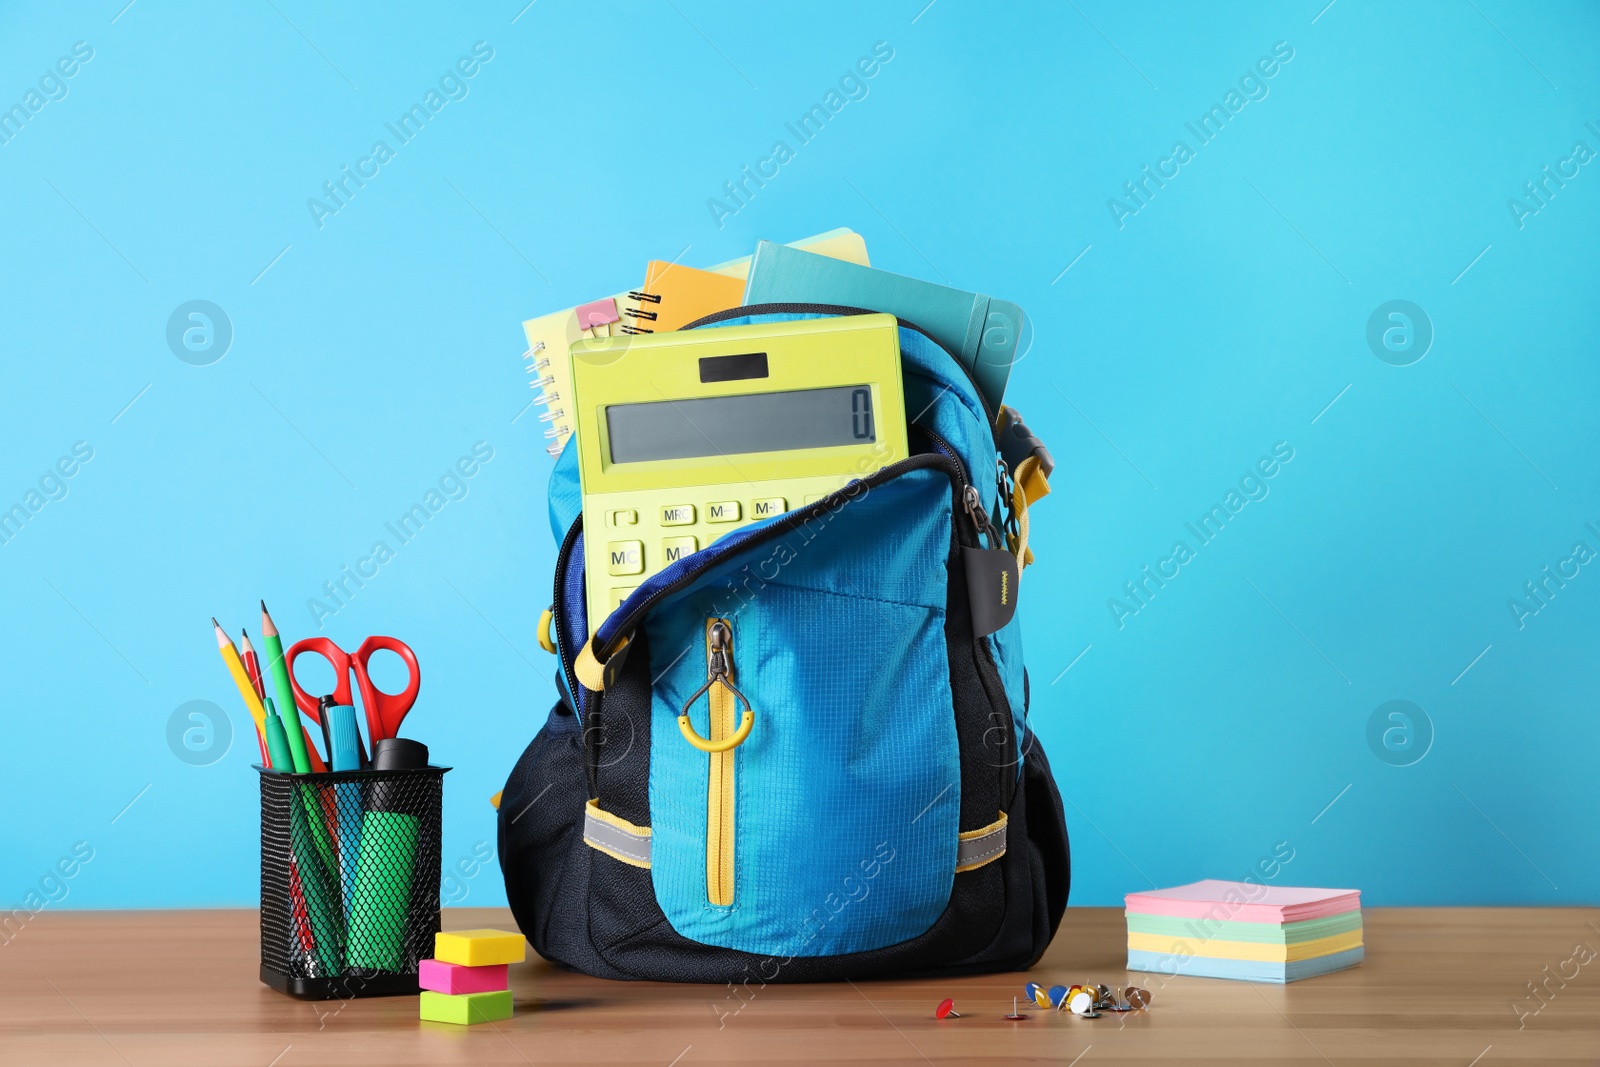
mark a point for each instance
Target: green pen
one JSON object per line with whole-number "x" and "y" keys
{"x": 277, "y": 741}
{"x": 280, "y": 682}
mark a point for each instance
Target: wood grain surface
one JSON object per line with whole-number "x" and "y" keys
{"x": 1445, "y": 986}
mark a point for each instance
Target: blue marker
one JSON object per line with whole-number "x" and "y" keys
{"x": 344, "y": 754}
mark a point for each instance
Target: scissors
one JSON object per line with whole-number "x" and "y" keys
{"x": 384, "y": 711}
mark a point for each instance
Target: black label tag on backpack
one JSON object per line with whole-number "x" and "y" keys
{"x": 991, "y": 587}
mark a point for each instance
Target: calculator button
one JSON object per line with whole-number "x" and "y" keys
{"x": 677, "y": 515}
{"x": 722, "y": 511}
{"x": 625, "y": 557}
{"x": 619, "y": 595}
{"x": 675, "y": 548}
{"x": 625, "y": 517}
{"x": 765, "y": 509}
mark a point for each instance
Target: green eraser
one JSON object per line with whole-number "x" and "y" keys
{"x": 464, "y": 1009}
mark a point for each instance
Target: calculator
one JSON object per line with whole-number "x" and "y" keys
{"x": 684, "y": 437}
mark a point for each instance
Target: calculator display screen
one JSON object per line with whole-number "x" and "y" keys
{"x": 730, "y": 425}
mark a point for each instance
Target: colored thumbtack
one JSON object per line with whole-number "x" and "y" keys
{"x": 1036, "y": 993}
{"x": 1082, "y": 1003}
{"x": 946, "y": 1010}
{"x": 1138, "y": 998}
{"x": 1014, "y": 1016}
{"x": 1058, "y": 996}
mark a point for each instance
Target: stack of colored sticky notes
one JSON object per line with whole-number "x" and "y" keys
{"x": 1257, "y": 933}
{"x": 468, "y": 981}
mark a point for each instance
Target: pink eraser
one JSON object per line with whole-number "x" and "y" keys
{"x": 599, "y": 313}
{"x": 453, "y": 979}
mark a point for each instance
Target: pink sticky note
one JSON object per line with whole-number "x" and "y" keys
{"x": 453, "y": 978}
{"x": 599, "y": 313}
{"x": 1244, "y": 902}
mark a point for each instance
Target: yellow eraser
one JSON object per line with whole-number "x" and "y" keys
{"x": 479, "y": 948}
{"x": 464, "y": 1009}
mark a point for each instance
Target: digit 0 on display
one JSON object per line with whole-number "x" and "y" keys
{"x": 686, "y": 436}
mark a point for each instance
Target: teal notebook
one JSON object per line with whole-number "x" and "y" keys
{"x": 980, "y": 331}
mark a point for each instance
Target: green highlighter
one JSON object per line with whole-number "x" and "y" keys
{"x": 381, "y": 902}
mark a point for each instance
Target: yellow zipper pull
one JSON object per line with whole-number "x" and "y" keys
{"x": 719, "y": 667}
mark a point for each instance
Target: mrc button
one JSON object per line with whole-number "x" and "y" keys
{"x": 677, "y": 515}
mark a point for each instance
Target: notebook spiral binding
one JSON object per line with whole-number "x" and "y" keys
{"x": 638, "y": 313}
{"x": 539, "y": 365}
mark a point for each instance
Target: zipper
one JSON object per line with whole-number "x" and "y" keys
{"x": 840, "y": 309}
{"x": 982, "y": 658}
{"x": 563, "y": 651}
{"x": 720, "y": 792}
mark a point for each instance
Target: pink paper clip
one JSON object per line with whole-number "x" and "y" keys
{"x": 597, "y": 314}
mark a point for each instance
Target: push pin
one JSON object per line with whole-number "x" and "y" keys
{"x": 1082, "y": 1004}
{"x": 1014, "y": 1017}
{"x": 946, "y": 1010}
{"x": 1037, "y": 993}
{"x": 1058, "y": 997}
{"x": 1138, "y": 998}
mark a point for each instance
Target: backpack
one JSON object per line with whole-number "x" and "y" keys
{"x": 796, "y": 755}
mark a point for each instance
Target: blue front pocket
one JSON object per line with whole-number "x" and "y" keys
{"x": 838, "y": 830}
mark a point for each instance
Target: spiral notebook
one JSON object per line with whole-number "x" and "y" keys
{"x": 681, "y": 295}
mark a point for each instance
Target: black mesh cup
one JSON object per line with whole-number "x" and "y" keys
{"x": 349, "y": 880}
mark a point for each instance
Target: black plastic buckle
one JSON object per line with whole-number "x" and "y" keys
{"x": 1017, "y": 443}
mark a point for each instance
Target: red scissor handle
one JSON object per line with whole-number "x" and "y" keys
{"x": 385, "y": 711}
{"x": 337, "y": 659}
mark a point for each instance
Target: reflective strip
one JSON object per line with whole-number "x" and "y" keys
{"x": 621, "y": 839}
{"x": 616, "y": 837}
{"x": 978, "y": 847}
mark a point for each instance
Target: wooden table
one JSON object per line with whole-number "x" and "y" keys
{"x": 1439, "y": 986}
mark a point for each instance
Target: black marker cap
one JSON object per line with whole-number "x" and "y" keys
{"x": 396, "y": 754}
{"x": 399, "y": 754}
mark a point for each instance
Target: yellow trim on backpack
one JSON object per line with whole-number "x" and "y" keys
{"x": 546, "y": 640}
{"x": 590, "y": 671}
{"x": 720, "y": 793}
{"x": 1028, "y": 485}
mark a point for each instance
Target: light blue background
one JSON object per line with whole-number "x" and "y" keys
{"x": 1229, "y": 715}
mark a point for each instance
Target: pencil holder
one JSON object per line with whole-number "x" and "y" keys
{"x": 349, "y": 880}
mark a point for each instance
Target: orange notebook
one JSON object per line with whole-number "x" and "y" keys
{"x": 674, "y": 296}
